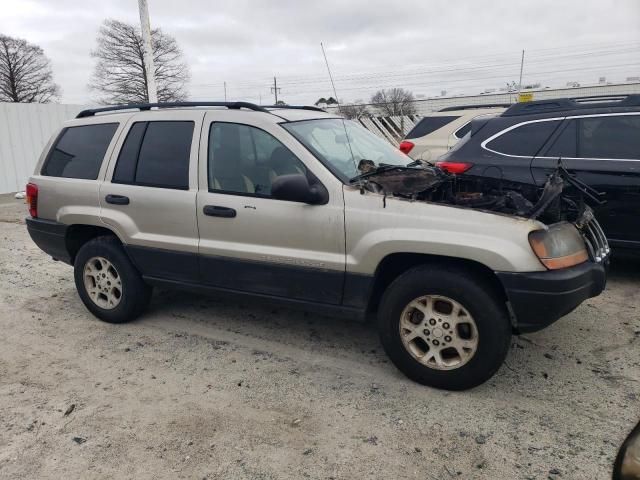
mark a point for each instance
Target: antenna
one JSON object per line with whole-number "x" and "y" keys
{"x": 330, "y": 76}
{"x": 360, "y": 183}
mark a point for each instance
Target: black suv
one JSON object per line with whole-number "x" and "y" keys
{"x": 596, "y": 138}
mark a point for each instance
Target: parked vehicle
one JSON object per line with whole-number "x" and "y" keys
{"x": 627, "y": 463}
{"x": 597, "y": 139}
{"x": 298, "y": 205}
{"x": 438, "y": 132}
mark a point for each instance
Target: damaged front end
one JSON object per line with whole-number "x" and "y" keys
{"x": 561, "y": 199}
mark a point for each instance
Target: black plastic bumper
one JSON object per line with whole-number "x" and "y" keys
{"x": 50, "y": 236}
{"x": 540, "y": 298}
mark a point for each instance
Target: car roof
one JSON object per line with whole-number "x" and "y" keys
{"x": 561, "y": 107}
{"x": 283, "y": 112}
{"x": 466, "y": 112}
{"x": 298, "y": 114}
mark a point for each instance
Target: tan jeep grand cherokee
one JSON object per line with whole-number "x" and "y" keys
{"x": 298, "y": 205}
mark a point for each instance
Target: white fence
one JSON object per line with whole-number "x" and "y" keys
{"x": 392, "y": 129}
{"x": 25, "y": 128}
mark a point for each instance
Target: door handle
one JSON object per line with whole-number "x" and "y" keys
{"x": 216, "y": 211}
{"x": 117, "y": 199}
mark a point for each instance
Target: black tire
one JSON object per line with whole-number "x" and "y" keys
{"x": 135, "y": 294}
{"x": 476, "y": 294}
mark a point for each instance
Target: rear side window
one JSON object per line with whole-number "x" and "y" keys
{"x": 609, "y": 137}
{"x": 156, "y": 154}
{"x": 430, "y": 124}
{"x": 79, "y": 151}
{"x": 526, "y": 140}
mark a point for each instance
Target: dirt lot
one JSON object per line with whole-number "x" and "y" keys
{"x": 209, "y": 388}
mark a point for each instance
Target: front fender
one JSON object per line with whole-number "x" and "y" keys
{"x": 374, "y": 231}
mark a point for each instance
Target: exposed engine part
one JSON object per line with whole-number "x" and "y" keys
{"x": 550, "y": 204}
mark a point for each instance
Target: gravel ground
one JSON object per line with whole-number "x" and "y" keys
{"x": 208, "y": 388}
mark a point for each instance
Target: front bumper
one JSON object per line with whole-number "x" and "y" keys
{"x": 538, "y": 299}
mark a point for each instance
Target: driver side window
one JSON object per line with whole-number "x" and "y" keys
{"x": 246, "y": 160}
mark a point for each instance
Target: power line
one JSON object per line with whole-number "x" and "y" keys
{"x": 456, "y": 68}
{"x": 378, "y": 84}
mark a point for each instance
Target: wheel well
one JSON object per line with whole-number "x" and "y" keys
{"x": 78, "y": 235}
{"x": 394, "y": 265}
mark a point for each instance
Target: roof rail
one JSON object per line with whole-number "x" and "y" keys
{"x": 562, "y": 104}
{"x": 471, "y": 107}
{"x": 297, "y": 107}
{"x": 148, "y": 106}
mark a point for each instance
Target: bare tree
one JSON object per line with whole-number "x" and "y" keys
{"x": 394, "y": 102}
{"x": 355, "y": 110}
{"x": 25, "y": 73}
{"x": 120, "y": 75}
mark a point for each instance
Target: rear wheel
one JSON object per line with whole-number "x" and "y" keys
{"x": 444, "y": 327}
{"x": 108, "y": 283}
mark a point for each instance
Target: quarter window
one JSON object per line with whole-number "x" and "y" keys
{"x": 156, "y": 154}
{"x": 462, "y": 131}
{"x": 525, "y": 140}
{"x": 79, "y": 151}
{"x": 246, "y": 160}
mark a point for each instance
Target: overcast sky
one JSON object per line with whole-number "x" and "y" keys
{"x": 426, "y": 46}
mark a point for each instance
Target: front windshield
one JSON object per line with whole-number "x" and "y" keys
{"x": 341, "y": 144}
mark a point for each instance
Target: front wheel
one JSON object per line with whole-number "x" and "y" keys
{"x": 444, "y": 327}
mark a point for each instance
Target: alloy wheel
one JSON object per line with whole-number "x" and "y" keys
{"x": 102, "y": 283}
{"x": 438, "y": 332}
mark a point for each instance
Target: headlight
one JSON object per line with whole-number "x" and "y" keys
{"x": 560, "y": 246}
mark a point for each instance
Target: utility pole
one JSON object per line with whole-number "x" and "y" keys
{"x": 521, "y": 68}
{"x": 225, "y": 91}
{"x": 152, "y": 89}
{"x": 275, "y": 89}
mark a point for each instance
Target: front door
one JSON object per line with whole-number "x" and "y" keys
{"x": 252, "y": 242}
{"x": 604, "y": 152}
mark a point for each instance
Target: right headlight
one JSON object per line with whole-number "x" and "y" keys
{"x": 559, "y": 246}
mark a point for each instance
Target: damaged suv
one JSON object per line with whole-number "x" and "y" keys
{"x": 299, "y": 205}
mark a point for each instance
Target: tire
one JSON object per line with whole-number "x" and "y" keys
{"x": 469, "y": 353}
{"x": 108, "y": 284}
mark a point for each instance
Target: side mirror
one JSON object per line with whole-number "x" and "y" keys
{"x": 296, "y": 188}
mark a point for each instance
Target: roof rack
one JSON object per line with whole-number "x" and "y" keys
{"x": 562, "y": 104}
{"x": 148, "y": 106}
{"x": 297, "y": 107}
{"x": 471, "y": 107}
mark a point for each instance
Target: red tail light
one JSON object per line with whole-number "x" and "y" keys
{"x": 405, "y": 146}
{"x": 454, "y": 167}
{"x": 32, "y": 199}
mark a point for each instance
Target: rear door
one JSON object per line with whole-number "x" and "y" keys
{"x": 252, "y": 242}
{"x": 149, "y": 195}
{"x": 604, "y": 152}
